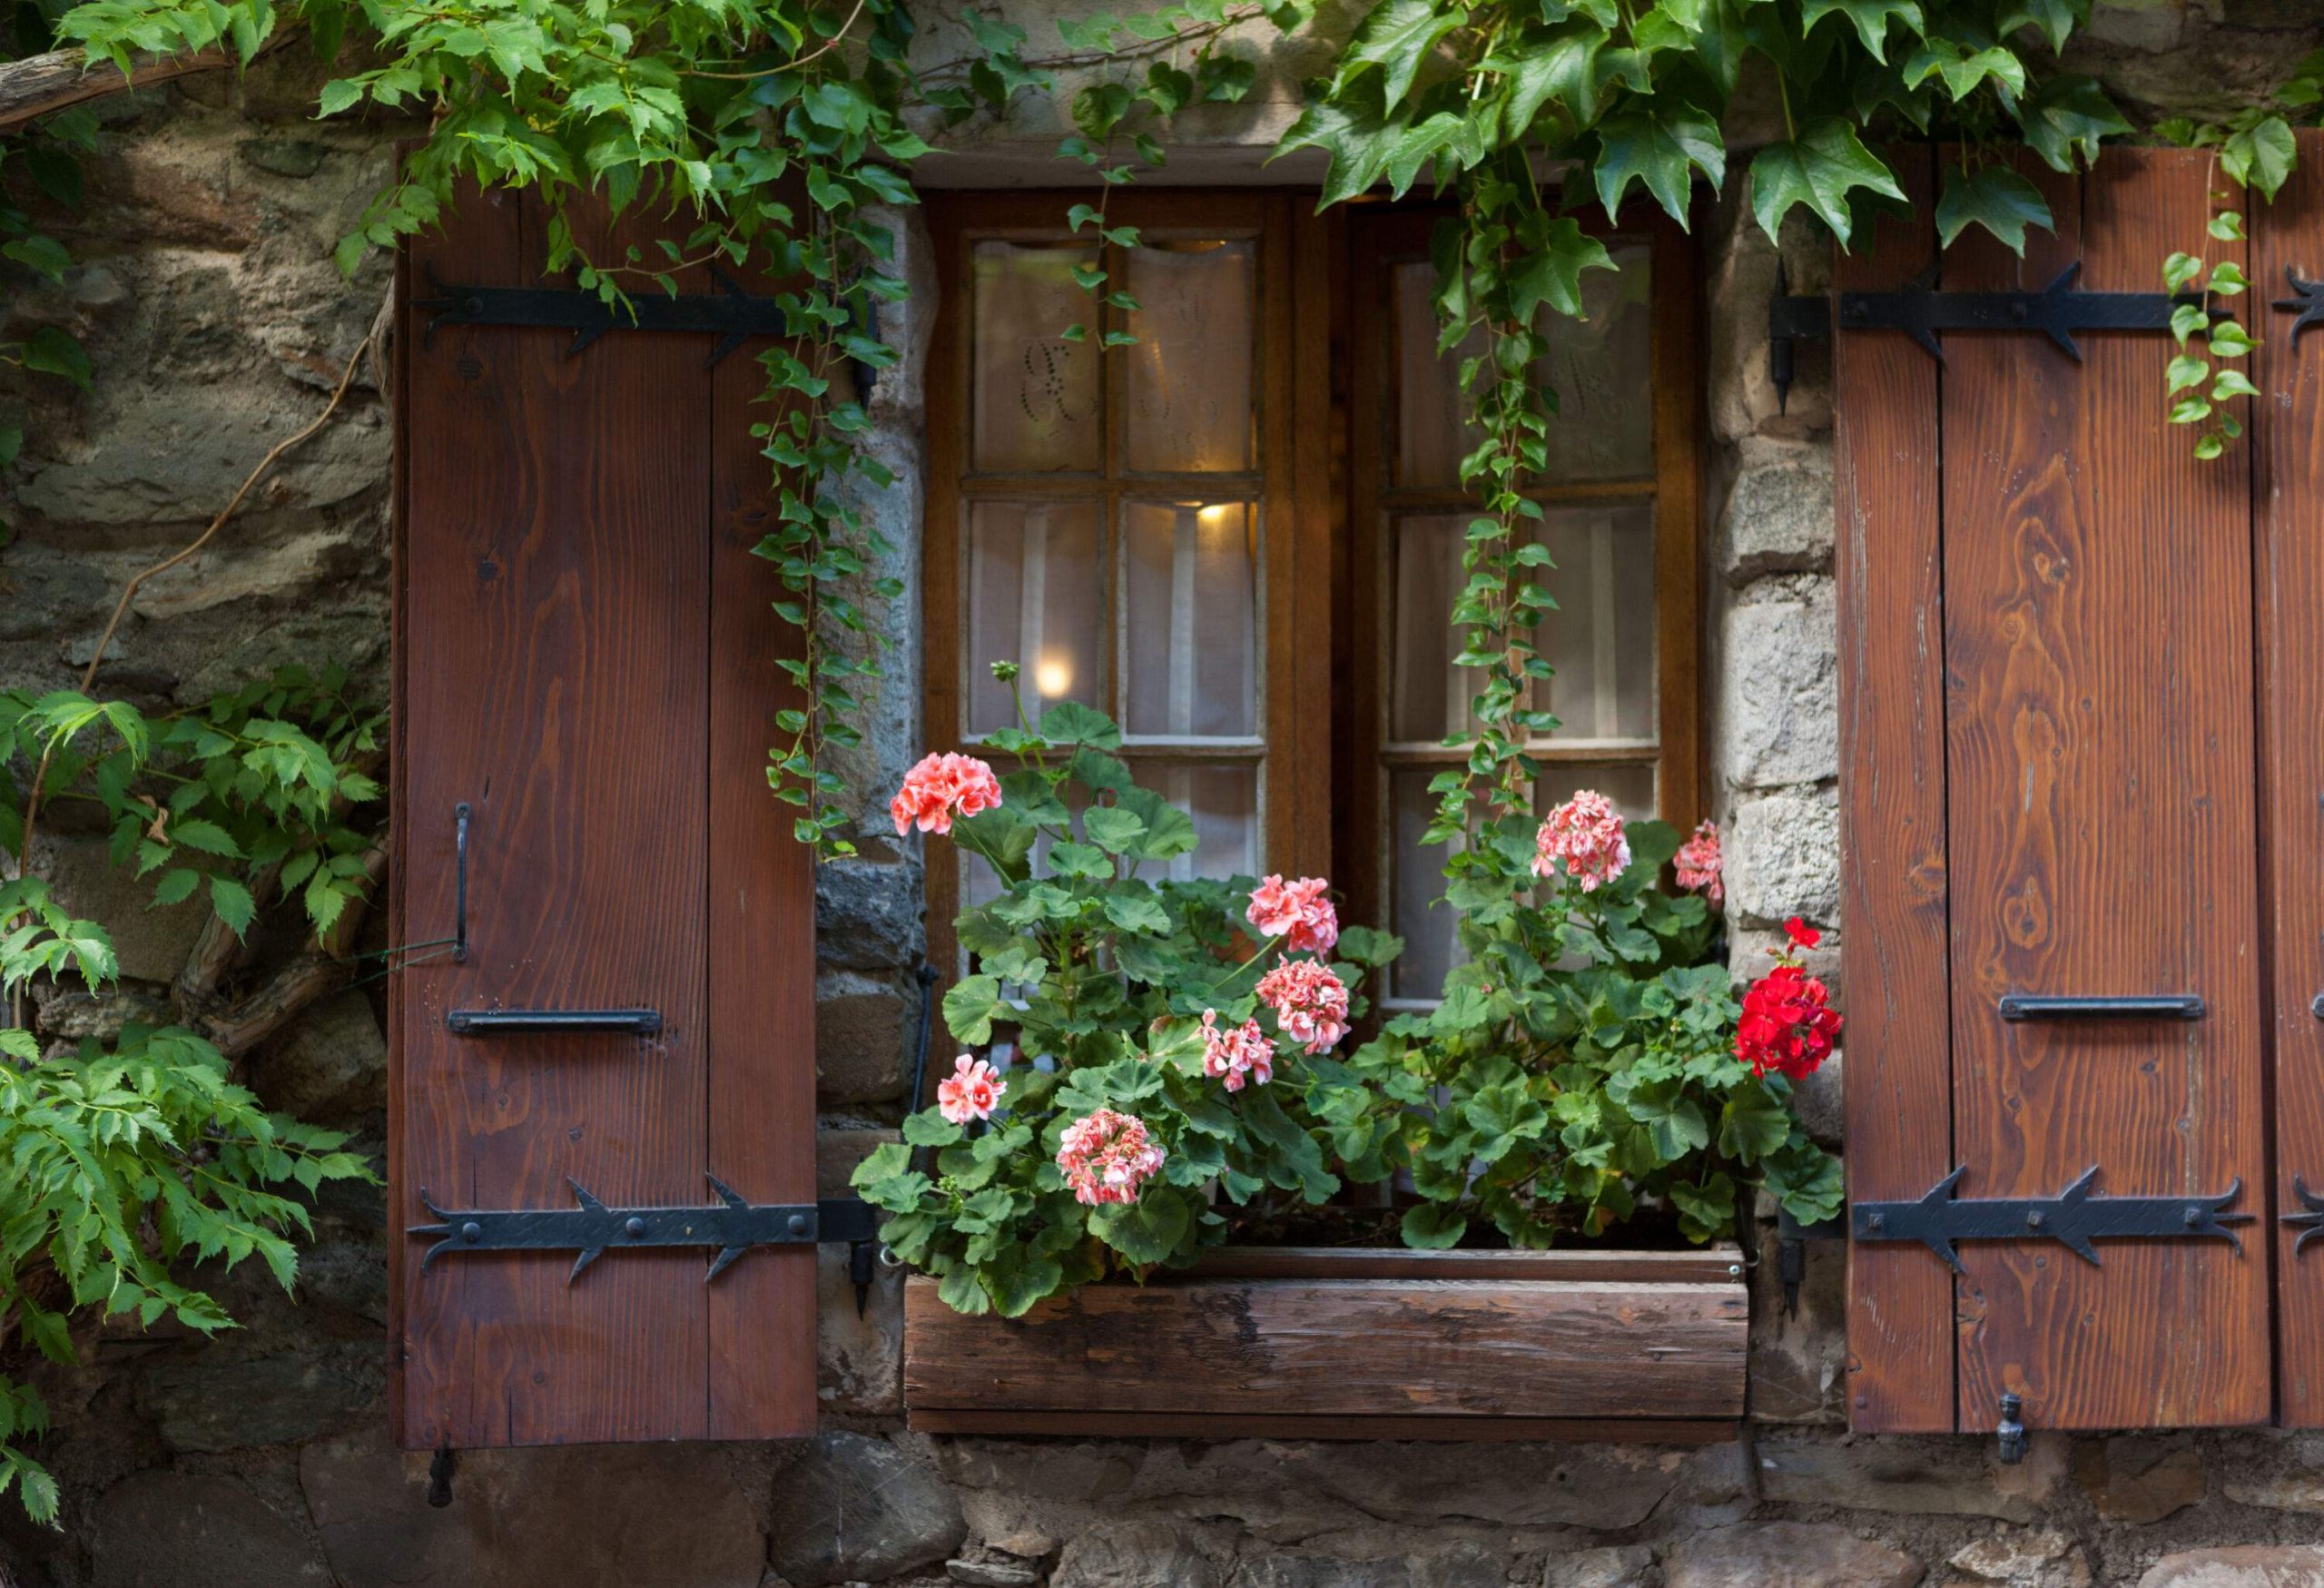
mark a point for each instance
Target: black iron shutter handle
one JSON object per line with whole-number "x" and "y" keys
{"x": 2031, "y": 1006}
{"x": 486, "y": 1023}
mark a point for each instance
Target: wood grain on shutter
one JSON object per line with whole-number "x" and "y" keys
{"x": 586, "y": 659}
{"x": 2288, "y": 437}
{"x": 2100, "y": 760}
{"x": 1892, "y": 829}
{"x": 762, "y": 927}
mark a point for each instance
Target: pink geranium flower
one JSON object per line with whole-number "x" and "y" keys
{"x": 1585, "y": 836}
{"x": 1237, "y": 1054}
{"x": 972, "y": 1091}
{"x": 1107, "y": 1157}
{"x": 941, "y": 788}
{"x": 1697, "y": 864}
{"x": 1310, "y": 1002}
{"x": 1296, "y": 913}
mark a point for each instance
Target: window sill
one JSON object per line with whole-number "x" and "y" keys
{"x": 1353, "y": 1344}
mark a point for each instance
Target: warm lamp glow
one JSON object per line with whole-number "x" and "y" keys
{"x": 1215, "y": 515}
{"x": 1053, "y": 677}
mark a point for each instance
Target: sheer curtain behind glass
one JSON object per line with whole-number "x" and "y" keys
{"x": 1138, "y": 591}
{"x": 1601, "y": 638}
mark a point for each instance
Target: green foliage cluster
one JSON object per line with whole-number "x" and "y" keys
{"x": 1101, "y": 976}
{"x": 2256, "y": 151}
{"x": 42, "y": 167}
{"x": 1581, "y": 1060}
{"x": 129, "y": 1162}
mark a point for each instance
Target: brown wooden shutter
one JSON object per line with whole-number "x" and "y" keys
{"x": 586, "y": 659}
{"x": 2049, "y": 789}
{"x": 2287, "y": 456}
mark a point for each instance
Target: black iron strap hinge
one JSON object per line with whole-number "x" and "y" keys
{"x": 732, "y": 1224}
{"x": 2074, "y": 1217}
{"x": 1920, "y": 310}
{"x": 730, "y": 314}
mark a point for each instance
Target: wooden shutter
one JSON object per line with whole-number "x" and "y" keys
{"x": 2288, "y": 456}
{"x": 2049, "y": 789}
{"x": 584, "y": 659}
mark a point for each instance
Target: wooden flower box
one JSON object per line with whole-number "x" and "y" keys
{"x": 1348, "y": 1342}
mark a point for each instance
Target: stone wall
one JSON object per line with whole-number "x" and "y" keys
{"x": 206, "y": 295}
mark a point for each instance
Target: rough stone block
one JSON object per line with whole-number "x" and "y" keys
{"x": 2259, "y": 1565}
{"x": 2281, "y": 1473}
{"x": 839, "y": 1148}
{"x": 1783, "y": 857}
{"x": 868, "y": 914}
{"x": 1799, "y": 1361}
{"x": 1743, "y": 278}
{"x": 1937, "y": 1477}
{"x": 862, "y": 1028}
{"x": 151, "y": 943}
{"x": 189, "y": 1530}
{"x": 1778, "y": 516}
{"x": 1629, "y": 1566}
{"x": 206, "y": 1402}
{"x": 2139, "y": 1479}
{"x": 853, "y": 1508}
{"x": 673, "y": 1515}
{"x": 1778, "y": 708}
{"x": 1786, "y": 1554}
{"x": 1134, "y": 1554}
{"x": 330, "y": 1065}
{"x": 2044, "y": 1558}
{"x": 858, "y": 1361}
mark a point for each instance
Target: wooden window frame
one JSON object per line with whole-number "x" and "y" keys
{"x": 1380, "y": 238}
{"x": 1290, "y": 484}
{"x": 1322, "y": 385}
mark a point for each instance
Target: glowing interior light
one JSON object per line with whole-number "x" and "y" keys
{"x": 1053, "y": 677}
{"x": 1215, "y": 515}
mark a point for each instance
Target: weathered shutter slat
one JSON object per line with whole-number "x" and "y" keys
{"x": 1892, "y": 811}
{"x": 2288, "y": 458}
{"x": 762, "y": 906}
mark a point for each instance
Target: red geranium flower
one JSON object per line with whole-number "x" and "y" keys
{"x": 1788, "y": 1023}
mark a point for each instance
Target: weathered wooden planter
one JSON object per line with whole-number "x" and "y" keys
{"x": 1352, "y": 1343}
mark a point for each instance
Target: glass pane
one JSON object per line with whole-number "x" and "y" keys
{"x": 1223, "y": 802}
{"x": 1036, "y": 406}
{"x": 1191, "y": 605}
{"x": 1601, "y": 638}
{"x": 1416, "y": 882}
{"x": 1432, "y": 437}
{"x": 1190, "y": 372}
{"x": 1035, "y": 596}
{"x": 1631, "y": 787}
{"x": 1428, "y": 697}
{"x": 1602, "y": 369}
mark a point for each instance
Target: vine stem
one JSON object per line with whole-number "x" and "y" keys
{"x": 129, "y": 594}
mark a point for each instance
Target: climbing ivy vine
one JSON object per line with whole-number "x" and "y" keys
{"x": 771, "y": 136}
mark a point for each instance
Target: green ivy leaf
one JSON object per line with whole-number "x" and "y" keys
{"x": 2055, "y": 18}
{"x": 1397, "y": 37}
{"x": 2260, "y": 155}
{"x": 2069, "y": 116}
{"x": 1550, "y": 271}
{"x": 1870, "y": 17}
{"x": 1818, "y": 169}
{"x": 1660, "y": 146}
{"x": 1993, "y": 196}
{"x": 1561, "y": 65}
{"x": 52, "y": 351}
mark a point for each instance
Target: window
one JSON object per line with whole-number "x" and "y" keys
{"x": 1241, "y": 535}
{"x": 1620, "y": 524}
